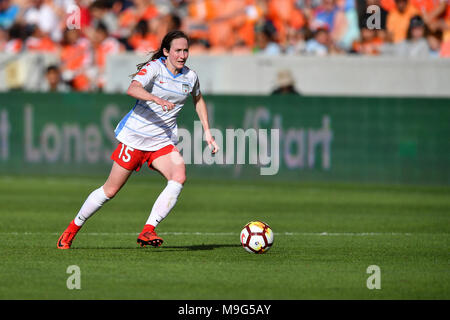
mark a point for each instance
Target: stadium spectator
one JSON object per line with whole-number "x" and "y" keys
{"x": 265, "y": 41}
{"x": 199, "y": 13}
{"x": 397, "y": 21}
{"x": 445, "y": 50}
{"x": 76, "y": 58}
{"x": 39, "y": 41}
{"x": 3, "y": 39}
{"x": 436, "y": 15}
{"x": 285, "y": 83}
{"x": 319, "y": 44}
{"x": 339, "y": 17}
{"x": 173, "y": 22}
{"x": 227, "y": 17}
{"x": 445, "y": 28}
{"x": 434, "y": 40}
{"x": 198, "y": 47}
{"x": 16, "y": 36}
{"x": 54, "y": 81}
{"x": 237, "y": 27}
{"x": 164, "y": 22}
{"x": 308, "y": 8}
{"x": 431, "y": 10}
{"x": 103, "y": 45}
{"x": 254, "y": 13}
{"x": 346, "y": 29}
{"x": 417, "y": 38}
{"x": 369, "y": 44}
{"x": 388, "y": 5}
{"x": 415, "y": 44}
{"x": 140, "y": 10}
{"x": 42, "y": 14}
{"x": 8, "y": 13}
{"x": 324, "y": 15}
{"x": 284, "y": 14}
{"x": 141, "y": 40}
{"x": 296, "y": 41}
{"x": 101, "y": 11}
{"x": 240, "y": 48}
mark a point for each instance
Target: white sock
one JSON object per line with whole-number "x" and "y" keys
{"x": 93, "y": 202}
{"x": 165, "y": 202}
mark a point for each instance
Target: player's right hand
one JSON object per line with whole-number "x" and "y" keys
{"x": 166, "y": 105}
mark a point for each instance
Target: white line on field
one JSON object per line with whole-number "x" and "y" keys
{"x": 358, "y": 234}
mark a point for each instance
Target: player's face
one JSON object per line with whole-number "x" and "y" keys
{"x": 178, "y": 54}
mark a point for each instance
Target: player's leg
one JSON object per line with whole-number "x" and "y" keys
{"x": 172, "y": 167}
{"x": 117, "y": 178}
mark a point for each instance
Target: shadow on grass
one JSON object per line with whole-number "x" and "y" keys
{"x": 199, "y": 247}
{"x": 164, "y": 248}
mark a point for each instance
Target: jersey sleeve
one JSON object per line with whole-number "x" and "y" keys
{"x": 146, "y": 74}
{"x": 196, "y": 89}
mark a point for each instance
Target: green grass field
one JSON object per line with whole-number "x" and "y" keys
{"x": 326, "y": 235}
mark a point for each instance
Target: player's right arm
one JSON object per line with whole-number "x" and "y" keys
{"x": 137, "y": 90}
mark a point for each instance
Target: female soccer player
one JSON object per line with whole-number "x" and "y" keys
{"x": 148, "y": 134}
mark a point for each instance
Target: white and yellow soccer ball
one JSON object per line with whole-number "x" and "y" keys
{"x": 256, "y": 237}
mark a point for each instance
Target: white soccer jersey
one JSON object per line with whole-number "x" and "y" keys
{"x": 147, "y": 126}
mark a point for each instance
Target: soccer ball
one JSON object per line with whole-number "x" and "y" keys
{"x": 257, "y": 237}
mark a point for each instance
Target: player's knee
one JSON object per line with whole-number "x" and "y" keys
{"x": 179, "y": 177}
{"x": 110, "y": 192}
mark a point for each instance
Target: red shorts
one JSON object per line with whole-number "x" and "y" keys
{"x": 133, "y": 159}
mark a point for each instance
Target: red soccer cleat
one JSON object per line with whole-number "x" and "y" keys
{"x": 65, "y": 240}
{"x": 148, "y": 236}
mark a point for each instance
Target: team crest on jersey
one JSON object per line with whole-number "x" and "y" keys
{"x": 185, "y": 88}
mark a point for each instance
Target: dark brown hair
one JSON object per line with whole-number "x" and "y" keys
{"x": 165, "y": 44}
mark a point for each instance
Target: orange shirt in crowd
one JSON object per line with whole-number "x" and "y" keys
{"x": 246, "y": 29}
{"x": 388, "y": 5}
{"x": 283, "y": 14}
{"x": 446, "y": 34}
{"x": 76, "y": 56}
{"x": 200, "y": 12}
{"x": 130, "y": 16}
{"x": 144, "y": 44}
{"x": 397, "y": 23}
{"x": 445, "y": 50}
{"x": 228, "y": 15}
{"x": 371, "y": 47}
{"x": 44, "y": 44}
{"x": 224, "y": 23}
{"x": 108, "y": 46}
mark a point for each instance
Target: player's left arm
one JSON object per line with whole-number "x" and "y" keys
{"x": 202, "y": 111}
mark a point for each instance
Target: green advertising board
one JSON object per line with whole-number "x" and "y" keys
{"x": 392, "y": 140}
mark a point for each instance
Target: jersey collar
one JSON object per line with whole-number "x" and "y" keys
{"x": 162, "y": 61}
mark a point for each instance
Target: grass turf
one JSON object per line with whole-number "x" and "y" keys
{"x": 326, "y": 235}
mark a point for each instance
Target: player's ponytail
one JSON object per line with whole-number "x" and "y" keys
{"x": 165, "y": 44}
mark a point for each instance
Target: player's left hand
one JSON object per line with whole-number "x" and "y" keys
{"x": 211, "y": 142}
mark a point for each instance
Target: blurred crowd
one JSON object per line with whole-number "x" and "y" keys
{"x": 83, "y": 32}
